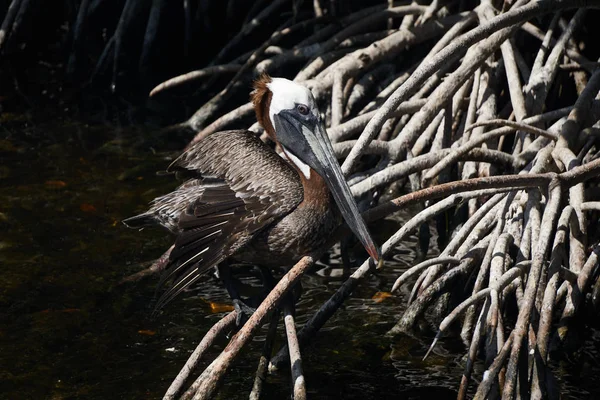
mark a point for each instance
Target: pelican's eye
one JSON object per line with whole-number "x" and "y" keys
{"x": 302, "y": 109}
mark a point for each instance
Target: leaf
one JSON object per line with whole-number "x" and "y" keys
{"x": 381, "y": 296}
{"x": 7, "y": 146}
{"x": 86, "y": 207}
{"x": 55, "y": 184}
{"x": 64, "y": 310}
{"x": 220, "y": 307}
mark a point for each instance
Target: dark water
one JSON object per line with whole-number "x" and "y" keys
{"x": 68, "y": 329}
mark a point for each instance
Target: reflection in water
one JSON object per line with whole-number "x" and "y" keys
{"x": 68, "y": 330}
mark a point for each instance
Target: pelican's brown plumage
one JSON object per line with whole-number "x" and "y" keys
{"x": 244, "y": 200}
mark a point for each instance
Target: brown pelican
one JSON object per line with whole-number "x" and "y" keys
{"x": 244, "y": 201}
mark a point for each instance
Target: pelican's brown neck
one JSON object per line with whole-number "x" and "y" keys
{"x": 261, "y": 99}
{"x": 316, "y": 192}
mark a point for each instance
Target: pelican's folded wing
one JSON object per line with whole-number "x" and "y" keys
{"x": 242, "y": 187}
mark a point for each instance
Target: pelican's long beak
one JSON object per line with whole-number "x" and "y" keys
{"x": 307, "y": 139}
{"x": 329, "y": 168}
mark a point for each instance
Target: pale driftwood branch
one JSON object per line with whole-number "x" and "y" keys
{"x": 558, "y": 258}
{"x": 194, "y": 75}
{"x": 513, "y": 79}
{"x": 383, "y": 49}
{"x": 156, "y": 267}
{"x": 505, "y": 280}
{"x": 347, "y": 129}
{"x": 249, "y": 27}
{"x": 7, "y": 24}
{"x": 590, "y": 206}
{"x": 416, "y": 164}
{"x": 474, "y": 142}
{"x": 265, "y": 357}
{"x": 444, "y": 92}
{"x": 491, "y": 374}
{"x": 419, "y": 267}
{"x": 514, "y": 182}
{"x": 206, "y": 384}
{"x": 323, "y": 34}
{"x": 298, "y": 383}
{"x": 220, "y": 123}
{"x": 517, "y": 125}
{"x": 539, "y": 257}
{"x": 218, "y": 329}
{"x": 418, "y": 307}
{"x": 571, "y": 52}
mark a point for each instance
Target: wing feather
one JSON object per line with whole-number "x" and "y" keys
{"x": 240, "y": 187}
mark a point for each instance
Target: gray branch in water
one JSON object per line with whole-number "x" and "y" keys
{"x": 194, "y": 75}
{"x": 265, "y": 357}
{"x": 7, "y": 24}
{"x": 298, "y": 383}
{"x": 218, "y": 330}
{"x": 521, "y": 327}
{"x": 206, "y": 384}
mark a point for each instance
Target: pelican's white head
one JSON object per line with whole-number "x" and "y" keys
{"x": 289, "y": 114}
{"x": 288, "y": 95}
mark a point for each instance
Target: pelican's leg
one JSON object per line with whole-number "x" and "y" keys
{"x": 267, "y": 279}
{"x": 243, "y": 310}
{"x": 297, "y": 292}
{"x": 268, "y": 282}
{"x": 289, "y": 300}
